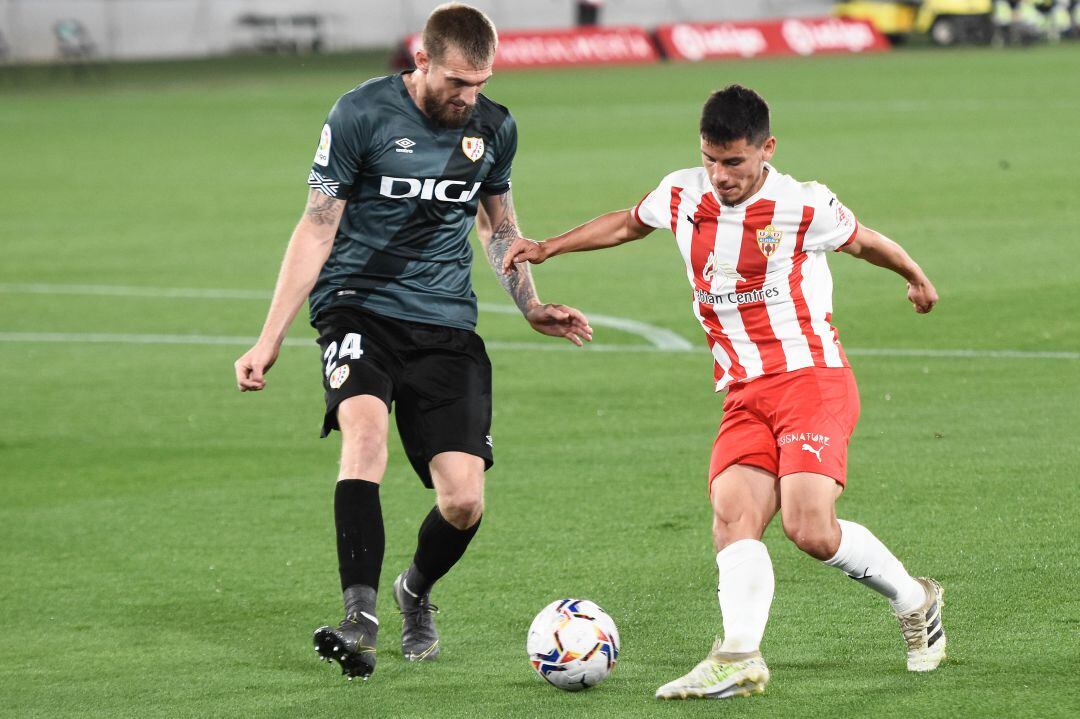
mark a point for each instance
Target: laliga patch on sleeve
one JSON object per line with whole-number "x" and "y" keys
{"x": 844, "y": 218}
{"x": 322, "y": 155}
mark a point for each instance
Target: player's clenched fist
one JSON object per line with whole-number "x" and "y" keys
{"x": 922, "y": 295}
{"x": 251, "y": 367}
{"x": 523, "y": 250}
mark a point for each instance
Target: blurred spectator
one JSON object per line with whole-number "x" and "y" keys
{"x": 277, "y": 33}
{"x": 1018, "y": 22}
{"x": 588, "y": 12}
{"x": 72, "y": 40}
{"x": 1028, "y": 20}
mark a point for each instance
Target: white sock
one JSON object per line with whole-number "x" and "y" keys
{"x": 745, "y": 592}
{"x": 865, "y": 559}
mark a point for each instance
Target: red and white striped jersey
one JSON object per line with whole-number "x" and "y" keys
{"x": 761, "y": 285}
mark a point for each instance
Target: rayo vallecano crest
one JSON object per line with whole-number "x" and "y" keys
{"x": 768, "y": 239}
{"x": 473, "y": 147}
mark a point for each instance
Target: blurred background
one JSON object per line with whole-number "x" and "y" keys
{"x": 48, "y": 30}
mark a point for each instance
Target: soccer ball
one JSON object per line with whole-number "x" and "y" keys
{"x": 573, "y": 644}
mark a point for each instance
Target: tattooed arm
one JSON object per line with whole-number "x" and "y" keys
{"x": 308, "y": 249}
{"x": 496, "y": 224}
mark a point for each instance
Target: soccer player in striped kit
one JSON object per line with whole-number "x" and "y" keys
{"x": 754, "y": 242}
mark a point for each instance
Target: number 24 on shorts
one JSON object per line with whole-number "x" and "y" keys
{"x": 350, "y": 347}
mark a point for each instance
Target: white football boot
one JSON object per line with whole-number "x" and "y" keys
{"x": 720, "y": 675}
{"x": 923, "y": 631}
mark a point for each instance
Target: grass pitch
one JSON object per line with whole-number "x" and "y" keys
{"x": 168, "y": 543}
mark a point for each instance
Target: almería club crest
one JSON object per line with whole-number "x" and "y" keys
{"x": 768, "y": 239}
{"x": 473, "y": 147}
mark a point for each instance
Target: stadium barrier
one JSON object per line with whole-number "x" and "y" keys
{"x": 679, "y": 41}
{"x": 569, "y": 46}
{"x": 792, "y": 36}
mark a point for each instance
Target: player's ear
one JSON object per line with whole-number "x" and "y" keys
{"x": 769, "y": 147}
{"x": 422, "y": 61}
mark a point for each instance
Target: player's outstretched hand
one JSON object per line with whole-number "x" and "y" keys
{"x": 253, "y": 365}
{"x": 523, "y": 250}
{"x": 923, "y": 295}
{"x": 560, "y": 321}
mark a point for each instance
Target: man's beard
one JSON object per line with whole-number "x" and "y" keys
{"x": 442, "y": 115}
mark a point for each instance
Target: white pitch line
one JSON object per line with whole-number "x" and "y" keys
{"x": 662, "y": 339}
{"x": 37, "y": 288}
{"x": 961, "y": 353}
{"x": 553, "y": 345}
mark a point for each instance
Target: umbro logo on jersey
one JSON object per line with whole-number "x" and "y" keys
{"x": 328, "y": 187}
{"x": 404, "y": 145}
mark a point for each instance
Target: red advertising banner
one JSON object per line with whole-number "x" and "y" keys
{"x": 571, "y": 46}
{"x": 793, "y": 36}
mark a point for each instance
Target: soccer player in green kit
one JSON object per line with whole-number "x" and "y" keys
{"x": 405, "y": 165}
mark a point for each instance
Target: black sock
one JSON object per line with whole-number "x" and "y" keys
{"x": 359, "y": 599}
{"x": 439, "y": 546}
{"x": 360, "y": 537}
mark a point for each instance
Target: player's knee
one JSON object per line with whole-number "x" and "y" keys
{"x": 367, "y": 445}
{"x": 812, "y": 534}
{"x": 729, "y": 527}
{"x": 462, "y": 508}
{"x": 363, "y": 454}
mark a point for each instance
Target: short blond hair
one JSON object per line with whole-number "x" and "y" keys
{"x": 460, "y": 26}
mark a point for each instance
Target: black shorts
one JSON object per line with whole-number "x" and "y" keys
{"x": 439, "y": 378}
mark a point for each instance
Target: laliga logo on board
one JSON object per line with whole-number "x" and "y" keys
{"x": 768, "y": 239}
{"x": 696, "y": 43}
{"x": 806, "y": 39}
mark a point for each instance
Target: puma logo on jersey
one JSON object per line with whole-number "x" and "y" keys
{"x": 403, "y": 188}
{"x": 815, "y": 452}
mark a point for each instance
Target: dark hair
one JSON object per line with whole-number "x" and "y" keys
{"x": 735, "y": 113}
{"x": 459, "y": 26}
